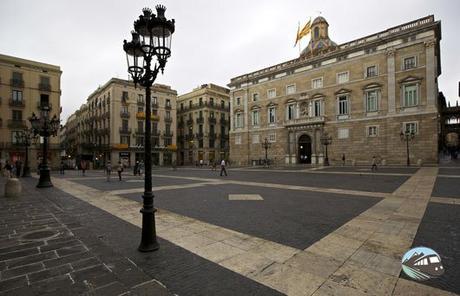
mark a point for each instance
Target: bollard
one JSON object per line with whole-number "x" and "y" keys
{"x": 419, "y": 162}
{"x": 13, "y": 188}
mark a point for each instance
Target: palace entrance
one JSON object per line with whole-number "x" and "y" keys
{"x": 304, "y": 148}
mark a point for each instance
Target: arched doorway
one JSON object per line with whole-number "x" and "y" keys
{"x": 304, "y": 148}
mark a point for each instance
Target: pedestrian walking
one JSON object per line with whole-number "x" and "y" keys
{"x": 374, "y": 163}
{"x": 8, "y": 168}
{"x": 119, "y": 170}
{"x": 61, "y": 168}
{"x": 343, "y": 159}
{"x": 108, "y": 170}
{"x": 222, "y": 167}
{"x": 201, "y": 163}
{"x": 83, "y": 167}
{"x": 18, "y": 168}
{"x": 136, "y": 168}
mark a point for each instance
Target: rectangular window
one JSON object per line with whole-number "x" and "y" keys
{"x": 17, "y": 115}
{"x": 168, "y": 103}
{"x": 124, "y": 124}
{"x": 371, "y": 101}
{"x": 317, "y": 83}
{"x": 255, "y": 139}
{"x": 222, "y": 104}
{"x": 167, "y": 129}
{"x": 14, "y": 137}
{"x": 190, "y": 104}
{"x": 255, "y": 97}
{"x": 139, "y": 141}
{"x": 140, "y": 126}
{"x": 371, "y": 71}
{"x": 239, "y": 120}
{"x": 255, "y": 118}
{"x": 271, "y": 115}
{"x": 272, "y": 138}
{"x": 238, "y": 101}
{"x": 124, "y": 140}
{"x": 290, "y": 114}
{"x": 140, "y": 109}
{"x": 410, "y": 127}
{"x": 211, "y": 101}
{"x": 237, "y": 139}
{"x": 182, "y": 106}
{"x": 372, "y": 131}
{"x": 409, "y": 63}
{"x": 154, "y": 101}
{"x": 168, "y": 115}
{"x": 140, "y": 98}
{"x": 124, "y": 96}
{"x": 343, "y": 105}
{"x": 342, "y": 133}
{"x": 271, "y": 93}
{"x": 342, "y": 77}
{"x": 317, "y": 110}
{"x": 410, "y": 95}
{"x": 290, "y": 89}
{"x": 17, "y": 96}
{"x": 200, "y": 101}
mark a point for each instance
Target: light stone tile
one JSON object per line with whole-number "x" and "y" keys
{"x": 246, "y": 263}
{"x": 245, "y": 197}
{"x": 288, "y": 280}
{"x": 331, "y": 288}
{"x": 244, "y": 242}
{"x": 173, "y": 234}
{"x": 318, "y": 265}
{"x": 217, "y": 252}
{"x": 410, "y": 288}
{"x": 364, "y": 280}
{"x": 274, "y": 251}
{"x": 330, "y": 249}
{"x": 193, "y": 242}
{"x": 353, "y": 232}
{"x": 218, "y": 234}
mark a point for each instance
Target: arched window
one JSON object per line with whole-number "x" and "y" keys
{"x": 316, "y": 32}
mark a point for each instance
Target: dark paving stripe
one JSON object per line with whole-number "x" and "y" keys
{"x": 439, "y": 230}
{"x": 449, "y": 171}
{"x": 386, "y": 170}
{"x": 372, "y": 183}
{"x": 181, "y": 271}
{"x": 447, "y": 187}
{"x": 292, "y": 218}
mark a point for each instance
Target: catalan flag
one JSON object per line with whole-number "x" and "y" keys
{"x": 302, "y": 33}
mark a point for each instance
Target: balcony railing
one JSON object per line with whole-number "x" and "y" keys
{"x": 140, "y": 131}
{"x": 200, "y": 120}
{"x": 307, "y": 120}
{"x": 17, "y": 103}
{"x": 212, "y": 120}
{"x": 154, "y": 105}
{"x": 141, "y": 102}
{"x": 212, "y": 135}
{"x": 17, "y": 82}
{"x": 40, "y": 105}
{"x": 189, "y": 121}
{"x": 189, "y": 137}
{"x": 168, "y": 119}
{"x": 223, "y": 121}
{"x": 200, "y": 135}
{"x": 125, "y": 130}
{"x": 15, "y": 123}
{"x": 180, "y": 124}
{"x": 44, "y": 86}
{"x": 168, "y": 107}
{"x": 124, "y": 114}
{"x": 168, "y": 134}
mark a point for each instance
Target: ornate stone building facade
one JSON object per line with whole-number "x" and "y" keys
{"x": 110, "y": 125}
{"x": 203, "y": 124}
{"x": 25, "y": 86}
{"x": 362, "y": 93}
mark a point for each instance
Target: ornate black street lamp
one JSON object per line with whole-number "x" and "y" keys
{"x": 266, "y": 145}
{"x": 45, "y": 127}
{"x": 25, "y": 138}
{"x": 407, "y": 136}
{"x": 326, "y": 140}
{"x": 151, "y": 38}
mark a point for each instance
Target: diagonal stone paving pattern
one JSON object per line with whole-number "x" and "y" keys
{"x": 361, "y": 257}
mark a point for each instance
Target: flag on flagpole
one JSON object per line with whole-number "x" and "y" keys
{"x": 302, "y": 33}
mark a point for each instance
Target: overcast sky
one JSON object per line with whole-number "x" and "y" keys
{"x": 214, "y": 40}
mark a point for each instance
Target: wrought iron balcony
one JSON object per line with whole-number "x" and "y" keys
{"x": 44, "y": 86}
{"x": 212, "y": 120}
{"x": 17, "y": 103}
{"x": 200, "y": 135}
{"x": 200, "y": 120}
{"x": 124, "y": 114}
{"x": 40, "y": 105}
{"x": 17, "y": 82}
{"x": 168, "y": 119}
{"x": 16, "y": 123}
{"x": 189, "y": 121}
{"x": 140, "y": 131}
{"x": 123, "y": 130}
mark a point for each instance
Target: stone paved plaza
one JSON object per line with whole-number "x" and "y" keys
{"x": 292, "y": 231}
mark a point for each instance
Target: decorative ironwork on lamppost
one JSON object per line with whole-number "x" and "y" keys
{"x": 326, "y": 140}
{"x": 25, "y": 138}
{"x": 151, "y": 39}
{"x": 44, "y": 127}
{"x": 266, "y": 145}
{"x": 407, "y": 136}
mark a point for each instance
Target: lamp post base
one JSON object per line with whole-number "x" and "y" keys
{"x": 326, "y": 161}
{"x": 45, "y": 179}
{"x": 149, "y": 241}
{"x": 26, "y": 172}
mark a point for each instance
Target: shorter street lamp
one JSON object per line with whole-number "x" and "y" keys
{"x": 266, "y": 145}
{"x": 407, "y": 136}
{"x": 326, "y": 140}
{"x": 25, "y": 138}
{"x": 44, "y": 127}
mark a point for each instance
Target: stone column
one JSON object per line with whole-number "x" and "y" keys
{"x": 431, "y": 91}
{"x": 391, "y": 80}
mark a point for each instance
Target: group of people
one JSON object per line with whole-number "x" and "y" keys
{"x": 11, "y": 169}
{"x": 108, "y": 170}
